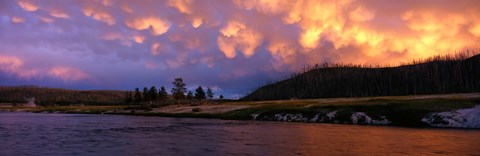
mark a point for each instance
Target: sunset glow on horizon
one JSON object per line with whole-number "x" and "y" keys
{"x": 231, "y": 46}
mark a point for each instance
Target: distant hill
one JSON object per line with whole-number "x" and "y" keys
{"x": 55, "y": 96}
{"x": 437, "y": 75}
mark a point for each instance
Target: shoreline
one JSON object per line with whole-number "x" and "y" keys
{"x": 208, "y": 117}
{"x": 460, "y": 111}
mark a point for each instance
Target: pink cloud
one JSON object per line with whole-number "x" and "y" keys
{"x": 16, "y": 19}
{"x": 15, "y": 66}
{"x": 27, "y": 5}
{"x": 67, "y": 73}
{"x": 59, "y": 14}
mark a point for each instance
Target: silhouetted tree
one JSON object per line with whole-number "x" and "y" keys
{"x": 436, "y": 75}
{"x": 199, "y": 94}
{"x": 178, "y": 90}
{"x": 209, "y": 93}
{"x": 162, "y": 93}
{"x": 152, "y": 93}
{"x": 221, "y": 98}
{"x": 146, "y": 95}
{"x": 137, "y": 98}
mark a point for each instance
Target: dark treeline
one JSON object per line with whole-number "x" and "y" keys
{"x": 149, "y": 96}
{"x": 179, "y": 94}
{"x": 437, "y": 75}
{"x": 54, "y": 96}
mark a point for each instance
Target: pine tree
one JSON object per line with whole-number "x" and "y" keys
{"x": 162, "y": 93}
{"x": 138, "y": 97}
{"x": 221, "y": 98}
{"x": 199, "y": 93}
{"x": 178, "y": 90}
{"x": 209, "y": 93}
{"x": 152, "y": 93}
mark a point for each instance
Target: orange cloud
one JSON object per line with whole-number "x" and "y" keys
{"x": 283, "y": 53}
{"x": 197, "y": 22}
{"x": 246, "y": 41}
{"x": 28, "y": 6}
{"x": 126, "y": 8}
{"x": 361, "y": 14}
{"x": 159, "y": 26}
{"x": 235, "y": 35}
{"x": 183, "y": 6}
{"x": 226, "y": 46}
{"x": 265, "y": 6}
{"x": 310, "y": 37}
{"x": 375, "y": 31}
{"x": 99, "y": 15}
{"x": 232, "y": 28}
{"x": 475, "y": 29}
{"x": 292, "y": 32}
{"x": 139, "y": 38}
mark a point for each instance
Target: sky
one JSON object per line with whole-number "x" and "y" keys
{"x": 230, "y": 46}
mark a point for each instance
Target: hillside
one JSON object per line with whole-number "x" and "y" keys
{"x": 55, "y": 96}
{"x": 437, "y": 75}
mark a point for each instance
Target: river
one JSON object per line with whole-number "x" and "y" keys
{"x": 85, "y": 134}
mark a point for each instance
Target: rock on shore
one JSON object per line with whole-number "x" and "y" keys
{"x": 462, "y": 118}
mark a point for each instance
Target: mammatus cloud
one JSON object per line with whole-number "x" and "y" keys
{"x": 249, "y": 41}
{"x": 236, "y": 37}
{"x": 99, "y": 15}
{"x": 197, "y": 22}
{"x": 139, "y": 38}
{"x": 158, "y": 25}
{"x": 28, "y": 6}
{"x": 183, "y": 6}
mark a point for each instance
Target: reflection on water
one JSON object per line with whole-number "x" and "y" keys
{"x": 68, "y": 134}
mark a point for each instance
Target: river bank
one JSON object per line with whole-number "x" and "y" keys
{"x": 446, "y": 111}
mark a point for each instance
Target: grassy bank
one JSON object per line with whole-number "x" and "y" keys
{"x": 65, "y": 109}
{"x": 400, "y": 110}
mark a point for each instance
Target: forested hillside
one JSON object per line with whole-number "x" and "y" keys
{"x": 54, "y": 96}
{"x": 437, "y": 75}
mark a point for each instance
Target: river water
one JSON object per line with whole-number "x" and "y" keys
{"x": 84, "y": 134}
